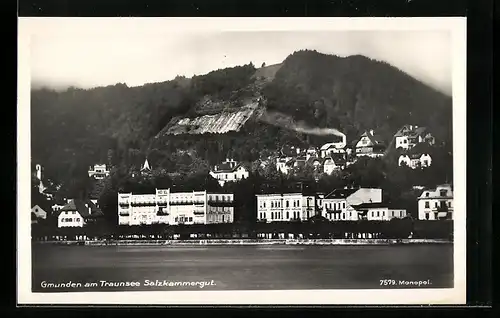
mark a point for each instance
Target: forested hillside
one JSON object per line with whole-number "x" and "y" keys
{"x": 119, "y": 125}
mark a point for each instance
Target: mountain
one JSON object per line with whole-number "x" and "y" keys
{"x": 184, "y": 121}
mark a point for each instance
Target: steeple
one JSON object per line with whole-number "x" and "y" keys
{"x": 146, "y": 166}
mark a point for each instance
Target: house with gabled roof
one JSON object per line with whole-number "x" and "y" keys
{"x": 370, "y": 144}
{"x": 411, "y": 135}
{"x": 335, "y": 162}
{"x": 38, "y": 213}
{"x": 379, "y": 211}
{"x": 229, "y": 171}
{"x": 78, "y": 213}
{"x": 339, "y": 205}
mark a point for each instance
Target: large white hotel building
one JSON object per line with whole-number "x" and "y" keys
{"x": 166, "y": 207}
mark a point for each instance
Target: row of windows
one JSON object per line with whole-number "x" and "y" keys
{"x": 278, "y": 204}
{"x": 436, "y": 205}
{"x": 335, "y": 206}
{"x": 279, "y": 215}
{"x": 184, "y": 219}
{"x": 378, "y": 214}
{"x": 70, "y": 220}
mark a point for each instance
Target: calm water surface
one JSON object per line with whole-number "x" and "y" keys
{"x": 241, "y": 267}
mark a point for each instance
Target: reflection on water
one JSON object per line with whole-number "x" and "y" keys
{"x": 242, "y": 267}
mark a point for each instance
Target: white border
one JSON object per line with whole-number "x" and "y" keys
{"x": 456, "y": 295}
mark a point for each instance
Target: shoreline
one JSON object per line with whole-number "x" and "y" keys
{"x": 247, "y": 242}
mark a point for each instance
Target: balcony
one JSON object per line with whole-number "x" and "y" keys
{"x": 123, "y": 213}
{"x": 124, "y": 204}
{"x": 162, "y": 213}
{"x": 218, "y": 203}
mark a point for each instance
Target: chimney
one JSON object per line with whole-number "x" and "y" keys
{"x": 298, "y": 150}
{"x": 411, "y": 127}
{"x": 371, "y": 132}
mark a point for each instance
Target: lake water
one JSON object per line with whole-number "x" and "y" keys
{"x": 239, "y": 267}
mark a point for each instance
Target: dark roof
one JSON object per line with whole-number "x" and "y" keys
{"x": 413, "y": 132}
{"x": 375, "y": 139}
{"x": 340, "y": 193}
{"x": 226, "y": 167}
{"x": 79, "y": 206}
{"x": 370, "y": 205}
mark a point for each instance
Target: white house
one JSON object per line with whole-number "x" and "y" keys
{"x": 370, "y": 145}
{"x": 229, "y": 171}
{"x": 379, "y": 212}
{"x": 77, "y": 213}
{"x": 415, "y": 160}
{"x": 166, "y": 207}
{"x": 435, "y": 204}
{"x": 411, "y": 135}
{"x": 98, "y": 172}
{"x": 285, "y": 207}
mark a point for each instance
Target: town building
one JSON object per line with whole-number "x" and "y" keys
{"x": 339, "y": 204}
{"x": 78, "y": 213}
{"x": 166, "y": 207}
{"x": 379, "y": 212}
{"x": 436, "y": 204}
{"x": 229, "y": 171}
{"x": 411, "y": 135}
{"x": 285, "y": 207}
{"x": 370, "y": 145}
{"x": 284, "y": 164}
{"x": 334, "y": 147}
{"x": 98, "y": 172}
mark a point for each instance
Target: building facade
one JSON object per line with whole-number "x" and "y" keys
{"x": 339, "y": 205}
{"x": 166, "y": 207}
{"x": 436, "y": 204}
{"x": 285, "y": 207}
{"x": 98, "y": 172}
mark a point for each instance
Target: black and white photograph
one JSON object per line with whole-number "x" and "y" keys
{"x": 241, "y": 161}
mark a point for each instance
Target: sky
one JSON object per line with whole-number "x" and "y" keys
{"x": 87, "y": 55}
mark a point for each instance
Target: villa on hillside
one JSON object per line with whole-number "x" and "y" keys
{"x": 334, "y": 162}
{"x": 229, "y": 171}
{"x": 411, "y": 135}
{"x": 370, "y": 145}
{"x": 416, "y": 157}
{"x": 379, "y": 212}
{"x": 98, "y": 172}
{"x": 331, "y": 148}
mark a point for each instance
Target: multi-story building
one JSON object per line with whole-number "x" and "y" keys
{"x": 339, "y": 205}
{"x": 98, "y": 172}
{"x": 229, "y": 171}
{"x": 166, "y": 207}
{"x": 285, "y": 207}
{"x": 435, "y": 204}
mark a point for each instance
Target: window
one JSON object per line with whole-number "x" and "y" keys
{"x": 435, "y": 204}
{"x": 287, "y": 204}
{"x": 405, "y": 141}
{"x": 442, "y": 193}
{"x": 378, "y": 213}
{"x": 176, "y": 219}
{"x": 190, "y": 219}
{"x": 426, "y": 204}
{"x": 272, "y": 204}
{"x": 343, "y": 205}
{"x": 427, "y": 194}
{"x": 287, "y": 215}
{"x": 449, "y": 204}
{"x": 373, "y": 213}
{"x": 264, "y": 204}
{"x": 77, "y": 219}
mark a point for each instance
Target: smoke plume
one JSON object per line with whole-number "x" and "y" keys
{"x": 287, "y": 122}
